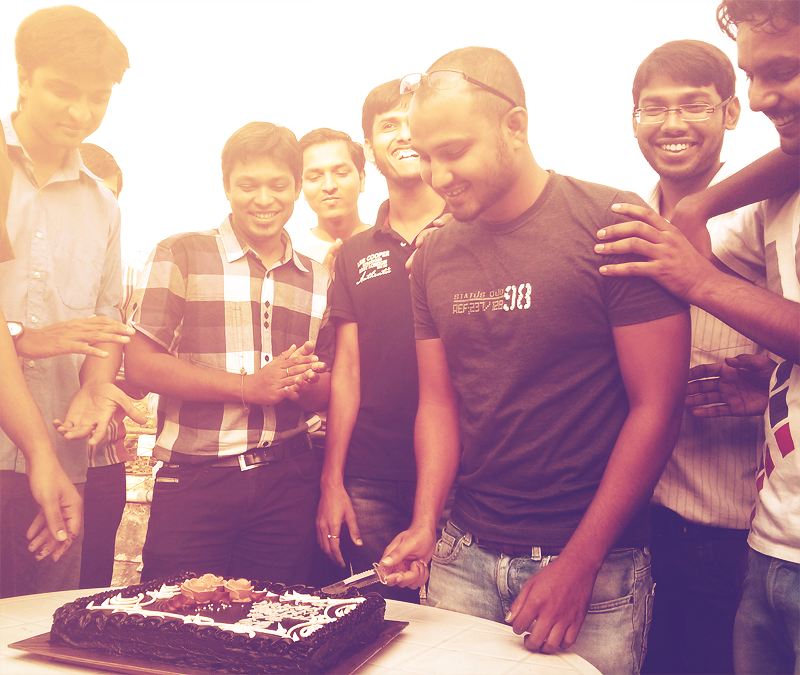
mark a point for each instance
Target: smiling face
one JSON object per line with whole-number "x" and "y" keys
{"x": 464, "y": 154}
{"x": 771, "y": 61}
{"x": 679, "y": 150}
{"x": 262, "y": 192}
{"x": 331, "y": 182}
{"x": 60, "y": 108}
{"x": 390, "y": 148}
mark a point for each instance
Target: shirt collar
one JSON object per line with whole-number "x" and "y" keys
{"x": 382, "y": 226}
{"x": 654, "y": 196}
{"x": 72, "y": 168}
{"x": 236, "y": 249}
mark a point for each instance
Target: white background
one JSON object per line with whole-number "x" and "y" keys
{"x": 200, "y": 69}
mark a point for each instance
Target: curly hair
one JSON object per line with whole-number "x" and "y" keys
{"x": 771, "y": 15}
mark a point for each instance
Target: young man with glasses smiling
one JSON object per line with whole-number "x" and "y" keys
{"x": 553, "y": 398}
{"x": 684, "y": 102}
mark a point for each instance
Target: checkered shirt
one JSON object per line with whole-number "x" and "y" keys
{"x": 209, "y": 300}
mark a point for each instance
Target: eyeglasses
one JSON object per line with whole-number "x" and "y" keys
{"x": 445, "y": 79}
{"x": 689, "y": 112}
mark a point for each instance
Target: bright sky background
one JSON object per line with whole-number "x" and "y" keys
{"x": 200, "y": 69}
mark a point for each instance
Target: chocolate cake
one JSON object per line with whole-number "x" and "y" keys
{"x": 233, "y": 626}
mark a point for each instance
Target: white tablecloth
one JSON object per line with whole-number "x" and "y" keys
{"x": 436, "y": 642}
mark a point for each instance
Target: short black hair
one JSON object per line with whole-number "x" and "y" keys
{"x": 262, "y": 139}
{"x": 382, "y": 99}
{"x": 691, "y": 61}
{"x": 325, "y": 135}
{"x": 71, "y": 37}
{"x": 772, "y": 14}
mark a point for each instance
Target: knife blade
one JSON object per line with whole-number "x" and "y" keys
{"x": 376, "y": 575}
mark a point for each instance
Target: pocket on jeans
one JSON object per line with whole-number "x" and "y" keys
{"x": 449, "y": 545}
{"x": 615, "y": 584}
{"x": 308, "y": 465}
{"x": 174, "y": 481}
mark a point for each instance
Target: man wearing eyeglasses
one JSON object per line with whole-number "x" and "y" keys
{"x": 566, "y": 393}
{"x": 684, "y": 102}
{"x": 766, "y": 635}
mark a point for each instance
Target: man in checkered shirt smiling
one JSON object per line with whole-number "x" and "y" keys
{"x": 232, "y": 332}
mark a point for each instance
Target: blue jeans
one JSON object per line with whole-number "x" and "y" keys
{"x": 383, "y": 510}
{"x": 483, "y": 582}
{"x": 766, "y": 635}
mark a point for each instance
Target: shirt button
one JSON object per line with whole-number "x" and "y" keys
{"x": 266, "y": 324}
{"x": 39, "y": 235}
{"x": 31, "y": 364}
{"x": 34, "y": 319}
{"x": 37, "y": 275}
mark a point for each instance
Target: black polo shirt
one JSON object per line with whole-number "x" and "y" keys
{"x": 372, "y": 288}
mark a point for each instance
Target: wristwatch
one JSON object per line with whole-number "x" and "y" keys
{"x": 16, "y": 329}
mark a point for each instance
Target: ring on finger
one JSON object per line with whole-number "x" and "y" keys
{"x": 333, "y": 536}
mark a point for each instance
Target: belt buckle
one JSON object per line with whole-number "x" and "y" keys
{"x": 243, "y": 465}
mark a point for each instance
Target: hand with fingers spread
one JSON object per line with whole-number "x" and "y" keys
{"x": 334, "y": 509}
{"x": 553, "y": 604}
{"x": 92, "y": 408}
{"x": 670, "y": 259}
{"x": 409, "y": 554}
{"x": 737, "y": 386}
{"x": 441, "y": 221}
{"x": 77, "y": 336}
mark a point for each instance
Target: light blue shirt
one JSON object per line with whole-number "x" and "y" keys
{"x": 65, "y": 237}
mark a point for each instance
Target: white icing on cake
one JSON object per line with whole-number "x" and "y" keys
{"x": 303, "y": 614}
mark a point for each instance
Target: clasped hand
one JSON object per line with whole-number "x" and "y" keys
{"x": 286, "y": 376}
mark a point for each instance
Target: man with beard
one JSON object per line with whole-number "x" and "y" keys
{"x": 565, "y": 391}
{"x": 369, "y": 475}
{"x": 684, "y": 101}
{"x": 767, "y": 34}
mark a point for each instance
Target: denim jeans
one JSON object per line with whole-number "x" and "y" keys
{"x": 698, "y": 572}
{"x": 383, "y": 510}
{"x": 484, "y": 582}
{"x": 766, "y": 635}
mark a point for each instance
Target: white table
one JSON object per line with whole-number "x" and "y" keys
{"x": 435, "y": 642}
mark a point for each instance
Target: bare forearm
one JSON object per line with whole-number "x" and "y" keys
{"x": 96, "y": 369}
{"x": 165, "y": 374}
{"x": 769, "y": 176}
{"x": 636, "y": 463}
{"x": 438, "y": 453}
{"x": 20, "y": 418}
{"x": 342, "y": 414}
{"x": 764, "y": 317}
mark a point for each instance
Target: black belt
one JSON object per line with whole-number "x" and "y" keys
{"x": 516, "y": 550}
{"x": 258, "y": 456}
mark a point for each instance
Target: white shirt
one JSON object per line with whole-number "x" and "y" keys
{"x": 710, "y": 477}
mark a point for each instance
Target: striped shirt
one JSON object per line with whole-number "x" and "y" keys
{"x": 710, "y": 476}
{"x": 208, "y": 299}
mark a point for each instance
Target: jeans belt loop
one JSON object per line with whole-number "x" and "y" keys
{"x": 536, "y": 553}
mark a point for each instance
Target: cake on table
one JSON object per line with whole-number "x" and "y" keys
{"x": 226, "y": 625}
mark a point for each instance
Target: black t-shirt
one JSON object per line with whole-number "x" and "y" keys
{"x": 526, "y": 320}
{"x": 372, "y": 288}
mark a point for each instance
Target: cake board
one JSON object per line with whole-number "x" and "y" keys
{"x": 40, "y": 645}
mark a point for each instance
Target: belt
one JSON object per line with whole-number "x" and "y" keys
{"x": 517, "y": 550}
{"x": 256, "y": 457}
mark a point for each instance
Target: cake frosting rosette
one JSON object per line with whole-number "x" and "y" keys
{"x": 202, "y": 589}
{"x": 239, "y": 590}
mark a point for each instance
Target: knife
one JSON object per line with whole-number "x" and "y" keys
{"x": 376, "y": 575}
